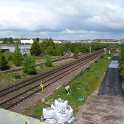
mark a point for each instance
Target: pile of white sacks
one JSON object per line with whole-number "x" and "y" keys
{"x": 59, "y": 113}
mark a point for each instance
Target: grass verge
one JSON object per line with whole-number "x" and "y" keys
{"x": 81, "y": 87}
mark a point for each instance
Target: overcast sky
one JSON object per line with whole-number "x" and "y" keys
{"x": 62, "y": 19}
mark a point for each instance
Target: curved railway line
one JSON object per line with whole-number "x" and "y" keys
{"x": 15, "y": 94}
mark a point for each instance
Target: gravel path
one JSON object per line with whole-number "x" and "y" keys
{"x": 102, "y": 110}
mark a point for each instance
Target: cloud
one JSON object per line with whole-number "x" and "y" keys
{"x": 63, "y": 19}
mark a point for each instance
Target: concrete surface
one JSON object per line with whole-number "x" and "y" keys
{"x": 8, "y": 117}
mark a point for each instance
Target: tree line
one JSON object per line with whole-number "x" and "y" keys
{"x": 45, "y": 48}
{"x": 48, "y": 47}
{"x": 16, "y": 58}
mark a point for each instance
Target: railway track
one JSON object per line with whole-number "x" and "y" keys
{"x": 20, "y": 68}
{"x": 15, "y": 94}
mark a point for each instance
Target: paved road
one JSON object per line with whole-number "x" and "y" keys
{"x": 111, "y": 84}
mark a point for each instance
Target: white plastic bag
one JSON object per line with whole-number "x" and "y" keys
{"x": 48, "y": 113}
{"x": 51, "y": 121}
{"x": 61, "y": 118}
{"x": 59, "y": 113}
{"x": 60, "y": 105}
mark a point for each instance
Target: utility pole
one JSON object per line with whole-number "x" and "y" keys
{"x": 90, "y": 49}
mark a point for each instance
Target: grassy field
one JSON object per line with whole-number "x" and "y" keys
{"x": 81, "y": 87}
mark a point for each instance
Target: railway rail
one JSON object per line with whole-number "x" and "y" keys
{"x": 15, "y": 94}
{"x": 20, "y": 68}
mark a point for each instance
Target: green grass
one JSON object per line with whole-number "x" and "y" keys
{"x": 82, "y": 86}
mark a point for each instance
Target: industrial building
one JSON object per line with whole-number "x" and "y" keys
{"x": 24, "y": 48}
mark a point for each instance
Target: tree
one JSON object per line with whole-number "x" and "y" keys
{"x": 122, "y": 62}
{"x": 3, "y": 62}
{"x": 50, "y": 50}
{"x": 45, "y": 44}
{"x": 8, "y": 40}
{"x": 17, "y": 56}
{"x": 48, "y": 61}
{"x": 59, "y": 50}
{"x": 35, "y": 48}
{"x": 76, "y": 52}
{"x": 29, "y": 65}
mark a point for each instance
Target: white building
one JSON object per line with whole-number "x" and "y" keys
{"x": 1, "y": 41}
{"x": 27, "y": 41}
{"x": 57, "y": 41}
{"x": 25, "y": 49}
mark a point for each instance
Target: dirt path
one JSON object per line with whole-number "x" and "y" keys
{"x": 63, "y": 62}
{"x": 102, "y": 110}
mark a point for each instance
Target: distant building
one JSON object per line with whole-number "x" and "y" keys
{"x": 1, "y": 42}
{"x": 26, "y": 41}
{"x": 25, "y": 49}
{"x": 57, "y": 41}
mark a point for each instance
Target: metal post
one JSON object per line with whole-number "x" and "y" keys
{"x": 90, "y": 49}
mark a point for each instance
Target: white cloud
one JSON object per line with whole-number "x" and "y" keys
{"x": 69, "y": 17}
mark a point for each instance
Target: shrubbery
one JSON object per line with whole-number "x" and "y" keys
{"x": 122, "y": 62}
{"x": 48, "y": 61}
{"x": 48, "y": 47}
{"x": 17, "y": 56}
{"x": 29, "y": 65}
{"x": 3, "y": 62}
{"x": 35, "y": 49}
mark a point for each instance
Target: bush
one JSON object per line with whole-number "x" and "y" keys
{"x": 36, "y": 49}
{"x": 76, "y": 53}
{"x": 29, "y": 65}
{"x": 48, "y": 61}
{"x": 122, "y": 63}
{"x": 17, "y": 56}
{"x": 3, "y": 62}
{"x": 50, "y": 50}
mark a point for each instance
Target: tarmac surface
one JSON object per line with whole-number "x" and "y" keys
{"x": 111, "y": 84}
